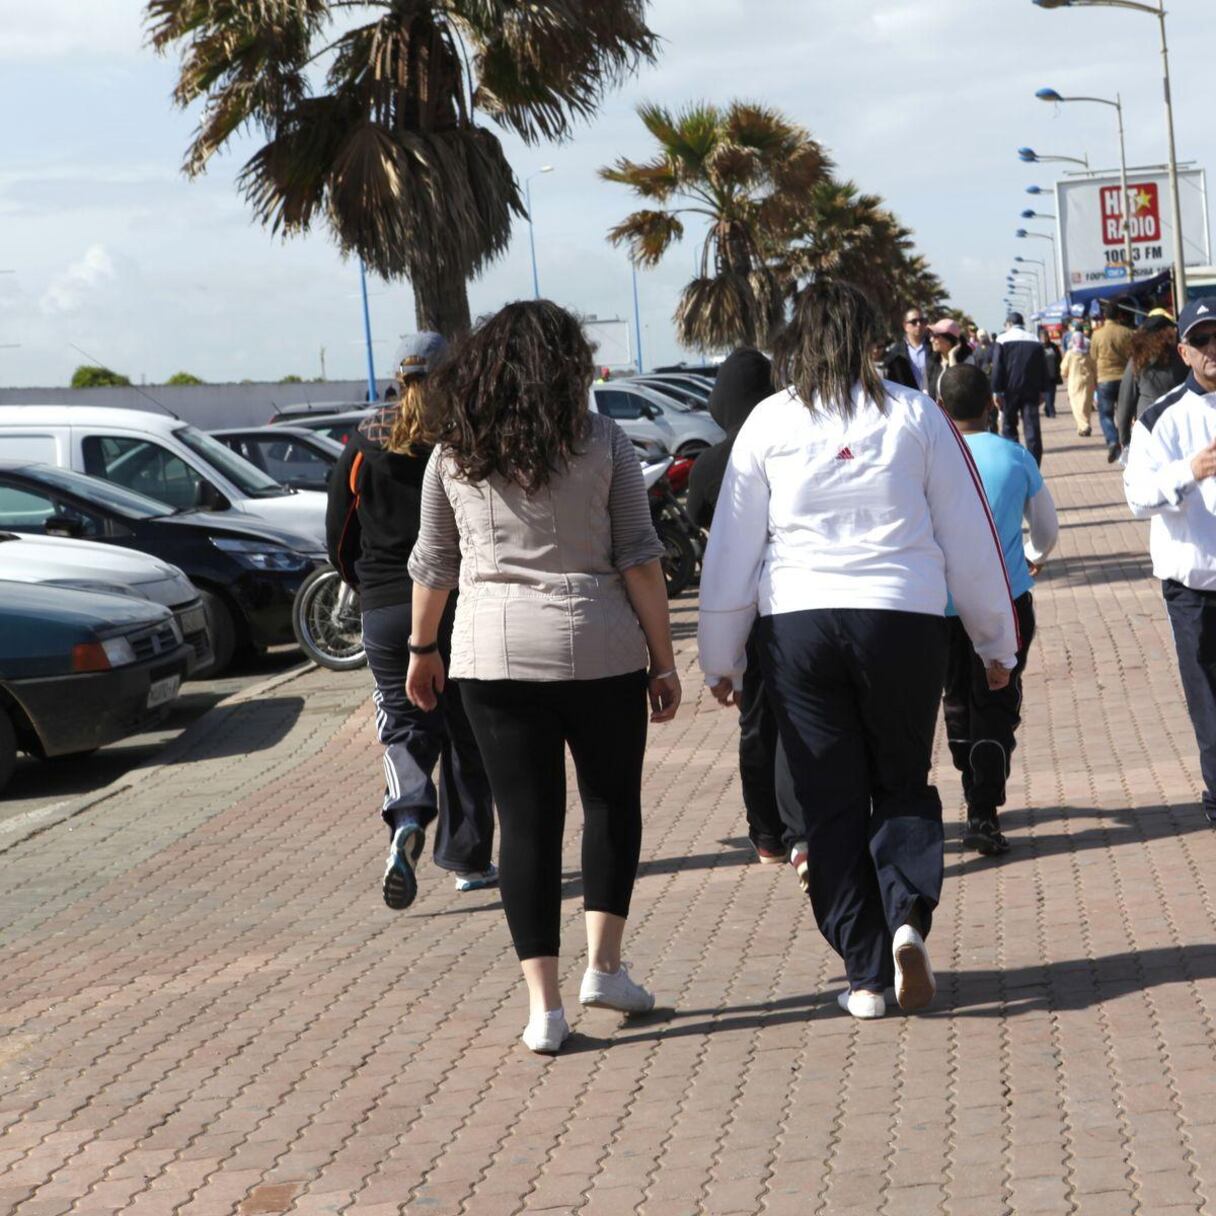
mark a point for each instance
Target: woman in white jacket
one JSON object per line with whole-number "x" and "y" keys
{"x": 849, "y": 512}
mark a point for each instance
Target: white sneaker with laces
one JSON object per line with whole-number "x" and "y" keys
{"x": 861, "y": 1004}
{"x": 606, "y": 990}
{"x": 915, "y": 986}
{"x": 546, "y": 1034}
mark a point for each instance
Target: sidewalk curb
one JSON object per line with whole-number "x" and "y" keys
{"x": 18, "y": 830}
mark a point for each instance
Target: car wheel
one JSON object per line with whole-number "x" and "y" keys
{"x": 8, "y": 748}
{"x": 222, "y": 627}
{"x": 692, "y": 449}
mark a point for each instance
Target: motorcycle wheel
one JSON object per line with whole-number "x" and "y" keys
{"x": 327, "y": 624}
{"x": 679, "y": 559}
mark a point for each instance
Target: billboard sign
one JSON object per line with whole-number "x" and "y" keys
{"x": 1090, "y": 217}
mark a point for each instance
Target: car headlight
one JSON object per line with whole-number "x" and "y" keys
{"x": 119, "y": 651}
{"x": 260, "y": 555}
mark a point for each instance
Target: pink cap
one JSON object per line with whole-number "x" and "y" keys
{"x": 946, "y": 326}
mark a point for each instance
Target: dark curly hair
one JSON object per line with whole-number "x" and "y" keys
{"x": 825, "y": 349}
{"x": 511, "y": 396}
{"x": 1154, "y": 345}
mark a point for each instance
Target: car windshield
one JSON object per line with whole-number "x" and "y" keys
{"x": 673, "y": 395}
{"x": 101, "y": 493}
{"x": 249, "y": 479}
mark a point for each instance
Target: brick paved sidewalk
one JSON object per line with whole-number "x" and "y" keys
{"x": 207, "y": 1009}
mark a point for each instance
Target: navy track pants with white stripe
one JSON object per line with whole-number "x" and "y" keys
{"x": 415, "y": 740}
{"x": 856, "y": 692}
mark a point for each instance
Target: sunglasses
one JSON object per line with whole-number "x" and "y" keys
{"x": 915, "y": 321}
{"x": 1203, "y": 341}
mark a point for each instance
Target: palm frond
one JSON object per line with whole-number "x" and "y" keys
{"x": 654, "y": 180}
{"x": 649, "y": 234}
{"x": 717, "y": 313}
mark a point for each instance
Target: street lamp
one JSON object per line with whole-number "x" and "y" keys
{"x": 1154, "y": 10}
{"x": 1117, "y": 105}
{"x": 1024, "y": 234}
{"x": 1031, "y": 157}
{"x": 531, "y": 229}
{"x": 1031, "y": 214}
{"x": 1024, "y": 278}
{"x": 1041, "y": 269}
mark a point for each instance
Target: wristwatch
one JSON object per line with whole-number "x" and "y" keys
{"x": 434, "y": 646}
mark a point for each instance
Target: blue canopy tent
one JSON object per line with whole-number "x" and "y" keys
{"x": 1087, "y": 300}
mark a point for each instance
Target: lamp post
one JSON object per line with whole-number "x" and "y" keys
{"x": 1117, "y": 106}
{"x": 367, "y": 335}
{"x": 1024, "y": 234}
{"x": 1027, "y": 279}
{"x": 637, "y": 315}
{"x": 1154, "y": 10}
{"x": 532, "y": 229}
{"x": 1041, "y": 267}
{"x": 1029, "y": 156}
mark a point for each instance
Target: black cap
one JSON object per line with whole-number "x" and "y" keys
{"x": 1197, "y": 312}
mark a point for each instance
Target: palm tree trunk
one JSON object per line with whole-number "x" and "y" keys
{"x": 441, "y": 302}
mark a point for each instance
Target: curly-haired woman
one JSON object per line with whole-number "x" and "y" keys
{"x": 1154, "y": 369}
{"x": 536, "y": 508}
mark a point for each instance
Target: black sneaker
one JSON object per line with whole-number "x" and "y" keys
{"x": 985, "y": 837}
{"x": 1113, "y": 452}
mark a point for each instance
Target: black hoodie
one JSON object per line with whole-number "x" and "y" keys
{"x": 372, "y": 521}
{"x": 744, "y": 380}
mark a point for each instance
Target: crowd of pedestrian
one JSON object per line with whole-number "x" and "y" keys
{"x": 871, "y": 559}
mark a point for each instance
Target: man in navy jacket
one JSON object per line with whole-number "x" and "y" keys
{"x": 1019, "y": 380}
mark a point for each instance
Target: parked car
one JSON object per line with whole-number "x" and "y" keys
{"x": 293, "y": 455}
{"x": 60, "y": 561}
{"x": 160, "y": 457}
{"x": 80, "y": 669}
{"x": 288, "y": 415}
{"x": 682, "y": 395}
{"x": 646, "y": 414}
{"x": 247, "y": 573}
{"x": 337, "y": 427}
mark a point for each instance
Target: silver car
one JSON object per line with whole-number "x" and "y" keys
{"x": 645, "y": 414}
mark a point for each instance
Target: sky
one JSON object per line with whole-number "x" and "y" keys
{"x": 111, "y": 255}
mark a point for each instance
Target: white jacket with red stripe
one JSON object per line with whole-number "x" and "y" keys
{"x": 881, "y": 510}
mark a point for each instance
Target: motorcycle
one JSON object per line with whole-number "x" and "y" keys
{"x": 683, "y": 547}
{"x": 327, "y": 622}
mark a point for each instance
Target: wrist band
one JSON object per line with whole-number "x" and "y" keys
{"x": 662, "y": 675}
{"x": 434, "y": 646}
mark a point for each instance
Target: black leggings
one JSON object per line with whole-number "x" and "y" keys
{"x": 522, "y": 728}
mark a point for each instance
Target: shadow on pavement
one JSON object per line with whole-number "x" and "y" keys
{"x": 1098, "y": 568}
{"x": 251, "y": 726}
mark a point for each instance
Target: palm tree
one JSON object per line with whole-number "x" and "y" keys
{"x": 744, "y": 168}
{"x": 844, "y": 234}
{"x": 388, "y": 153}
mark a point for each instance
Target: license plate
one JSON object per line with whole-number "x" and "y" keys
{"x": 163, "y": 691}
{"x": 193, "y": 620}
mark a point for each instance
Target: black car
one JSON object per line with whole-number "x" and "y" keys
{"x": 334, "y": 426}
{"x": 80, "y": 669}
{"x": 247, "y": 573}
{"x": 293, "y": 455}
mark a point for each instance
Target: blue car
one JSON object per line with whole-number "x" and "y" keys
{"x": 80, "y": 669}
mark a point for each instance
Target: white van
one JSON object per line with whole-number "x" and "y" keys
{"x": 160, "y": 457}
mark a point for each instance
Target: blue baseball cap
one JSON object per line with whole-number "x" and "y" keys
{"x": 1197, "y": 312}
{"x": 418, "y": 353}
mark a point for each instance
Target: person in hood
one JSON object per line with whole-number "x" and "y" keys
{"x": 744, "y": 380}
{"x": 375, "y": 495}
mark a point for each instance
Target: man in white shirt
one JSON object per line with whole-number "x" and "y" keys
{"x": 1171, "y": 478}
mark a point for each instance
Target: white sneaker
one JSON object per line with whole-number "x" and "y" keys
{"x": 546, "y": 1034}
{"x": 800, "y": 860}
{"x": 915, "y": 986}
{"x": 606, "y": 991}
{"x": 860, "y": 1004}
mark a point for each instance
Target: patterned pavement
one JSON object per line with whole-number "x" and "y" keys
{"x": 208, "y": 1011}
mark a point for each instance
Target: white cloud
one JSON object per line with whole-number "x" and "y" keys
{"x": 69, "y": 290}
